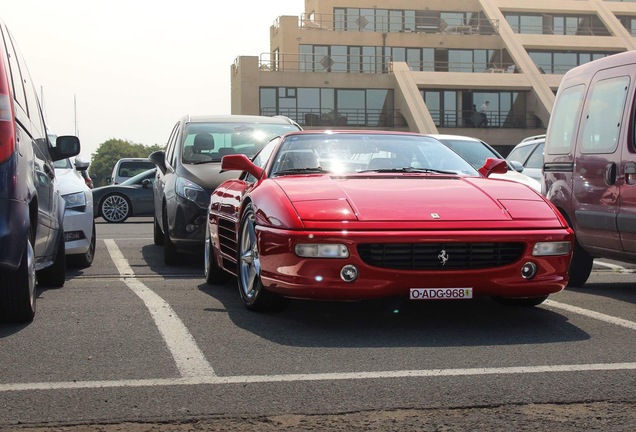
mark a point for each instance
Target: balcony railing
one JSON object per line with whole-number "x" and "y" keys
{"x": 417, "y": 24}
{"x": 346, "y": 117}
{"x": 280, "y": 62}
{"x": 491, "y": 119}
{"x": 371, "y": 64}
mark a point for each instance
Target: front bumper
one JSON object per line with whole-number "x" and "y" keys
{"x": 78, "y": 230}
{"x": 287, "y": 274}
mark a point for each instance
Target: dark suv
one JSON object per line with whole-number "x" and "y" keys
{"x": 31, "y": 208}
{"x": 190, "y": 169}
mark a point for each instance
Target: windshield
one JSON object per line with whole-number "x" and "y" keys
{"x": 359, "y": 152}
{"x": 63, "y": 163}
{"x": 149, "y": 174}
{"x": 475, "y": 152}
{"x": 209, "y": 142}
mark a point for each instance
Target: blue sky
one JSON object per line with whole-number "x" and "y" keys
{"x": 132, "y": 68}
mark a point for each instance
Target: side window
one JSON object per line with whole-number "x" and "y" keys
{"x": 170, "y": 148}
{"x": 603, "y": 115}
{"x": 536, "y": 158}
{"x": 520, "y": 154}
{"x": 562, "y": 128}
{"x": 16, "y": 76}
{"x": 262, "y": 157}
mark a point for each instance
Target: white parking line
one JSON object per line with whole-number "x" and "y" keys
{"x": 252, "y": 379}
{"x": 591, "y": 314}
{"x": 616, "y": 268}
{"x": 189, "y": 359}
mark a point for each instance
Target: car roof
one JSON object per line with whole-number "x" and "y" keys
{"x": 226, "y": 118}
{"x": 453, "y": 137}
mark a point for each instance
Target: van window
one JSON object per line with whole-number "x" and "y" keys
{"x": 604, "y": 113}
{"x": 562, "y": 128}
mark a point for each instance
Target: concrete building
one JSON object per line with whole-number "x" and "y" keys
{"x": 429, "y": 65}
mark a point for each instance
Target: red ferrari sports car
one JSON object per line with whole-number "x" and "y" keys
{"x": 353, "y": 215}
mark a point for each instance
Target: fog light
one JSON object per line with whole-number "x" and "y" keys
{"x": 529, "y": 270}
{"x": 349, "y": 273}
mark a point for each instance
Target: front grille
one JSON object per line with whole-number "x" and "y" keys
{"x": 439, "y": 256}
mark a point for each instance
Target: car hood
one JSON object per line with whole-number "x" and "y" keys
{"x": 69, "y": 181}
{"x": 520, "y": 178}
{"x": 207, "y": 175}
{"x": 409, "y": 198}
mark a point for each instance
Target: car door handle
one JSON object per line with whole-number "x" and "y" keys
{"x": 610, "y": 173}
{"x": 630, "y": 173}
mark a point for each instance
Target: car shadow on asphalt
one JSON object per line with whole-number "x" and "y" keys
{"x": 397, "y": 323}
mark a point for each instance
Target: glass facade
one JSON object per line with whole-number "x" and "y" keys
{"x": 331, "y": 107}
{"x": 409, "y": 20}
{"x": 589, "y": 25}
{"x": 553, "y": 62}
{"x": 464, "y": 108}
{"x": 376, "y": 59}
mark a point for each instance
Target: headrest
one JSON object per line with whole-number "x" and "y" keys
{"x": 203, "y": 141}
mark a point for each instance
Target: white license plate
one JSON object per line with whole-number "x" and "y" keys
{"x": 441, "y": 293}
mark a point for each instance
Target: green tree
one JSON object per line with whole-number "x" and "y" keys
{"x": 109, "y": 152}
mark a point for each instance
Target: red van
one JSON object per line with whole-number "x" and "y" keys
{"x": 590, "y": 160}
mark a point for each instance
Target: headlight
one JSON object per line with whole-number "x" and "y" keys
{"x": 321, "y": 250}
{"x": 193, "y": 192}
{"x": 75, "y": 200}
{"x": 551, "y": 248}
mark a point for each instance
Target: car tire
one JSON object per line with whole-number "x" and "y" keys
{"x": 54, "y": 276}
{"x": 213, "y": 273}
{"x": 580, "y": 266}
{"x": 157, "y": 233}
{"x": 85, "y": 259}
{"x": 253, "y": 294}
{"x": 17, "y": 289}
{"x": 170, "y": 253}
{"x": 523, "y": 302}
{"x": 115, "y": 208}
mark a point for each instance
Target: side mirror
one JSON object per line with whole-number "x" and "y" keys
{"x": 81, "y": 164}
{"x": 66, "y": 146}
{"x": 517, "y": 166}
{"x": 240, "y": 162}
{"x": 493, "y": 166}
{"x": 145, "y": 183}
{"x": 159, "y": 159}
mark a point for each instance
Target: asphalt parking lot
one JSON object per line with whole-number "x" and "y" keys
{"x": 131, "y": 340}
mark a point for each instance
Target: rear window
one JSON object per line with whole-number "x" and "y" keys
{"x": 132, "y": 168}
{"x": 603, "y": 115}
{"x": 209, "y": 142}
{"x": 562, "y": 128}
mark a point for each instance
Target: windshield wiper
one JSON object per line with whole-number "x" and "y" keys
{"x": 314, "y": 170}
{"x": 408, "y": 170}
{"x": 205, "y": 161}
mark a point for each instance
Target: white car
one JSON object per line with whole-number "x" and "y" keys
{"x": 476, "y": 151}
{"x": 79, "y": 223}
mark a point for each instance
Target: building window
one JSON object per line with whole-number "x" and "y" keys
{"x": 555, "y": 62}
{"x": 455, "y": 109}
{"x": 331, "y": 107}
{"x": 588, "y": 25}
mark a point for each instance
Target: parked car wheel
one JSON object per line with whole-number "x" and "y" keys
{"x": 54, "y": 276}
{"x": 213, "y": 273}
{"x": 170, "y": 255}
{"x": 253, "y": 293}
{"x": 580, "y": 266}
{"x": 526, "y": 301}
{"x": 17, "y": 289}
{"x": 157, "y": 233}
{"x": 86, "y": 259}
{"x": 115, "y": 208}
